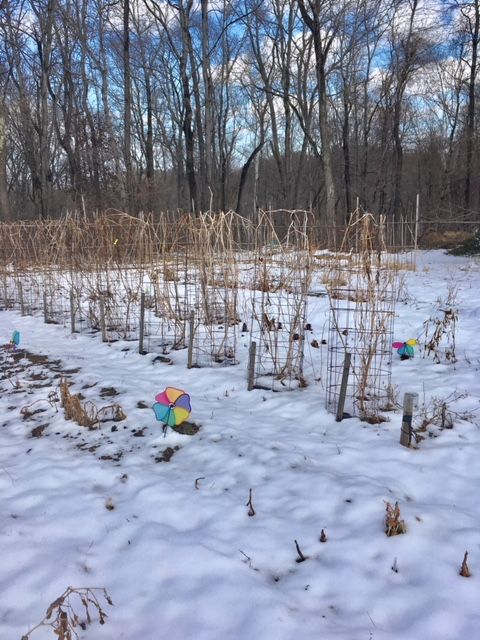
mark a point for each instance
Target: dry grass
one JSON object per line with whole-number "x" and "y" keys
{"x": 440, "y": 329}
{"x": 73, "y": 610}
{"x": 400, "y": 263}
{"x": 438, "y": 413}
{"x": 394, "y": 526}
{"x": 445, "y": 239}
{"x": 334, "y": 280}
{"x": 86, "y": 414}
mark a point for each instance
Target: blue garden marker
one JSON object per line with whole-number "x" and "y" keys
{"x": 15, "y": 339}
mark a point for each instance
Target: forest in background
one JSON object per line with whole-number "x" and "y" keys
{"x": 196, "y": 105}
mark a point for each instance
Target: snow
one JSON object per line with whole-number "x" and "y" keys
{"x": 178, "y": 553}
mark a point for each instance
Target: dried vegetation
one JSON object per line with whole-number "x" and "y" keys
{"x": 74, "y": 609}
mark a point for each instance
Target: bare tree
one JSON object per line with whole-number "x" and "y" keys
{"x": 470, "y": 17}
{"x": 127, "y": 107}
{"x": 5, "y": 211}
{"x": 320, "y": 18}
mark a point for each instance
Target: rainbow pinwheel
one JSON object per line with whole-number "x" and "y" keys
{"x": 172, "y": 407}
{"x": 405, "y": 349}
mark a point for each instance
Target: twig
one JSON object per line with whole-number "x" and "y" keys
{"x": 301, "y": 557}
{"x": 251, "y": 510}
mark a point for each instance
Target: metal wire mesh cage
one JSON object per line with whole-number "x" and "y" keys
{"x": 362, "y": 289}
{"x": 279, "y": 305}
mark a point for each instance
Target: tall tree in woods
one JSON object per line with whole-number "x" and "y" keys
{"x": 43, "y": 34}
{"x": 174, "y": 19}
{"x": 374, "y": 23}
{"x": 346, "y": 77}
{"x": 447, "y": 99}
{"x": 272, "y": 29}
{"x": 411, "y": 48}
{"x": 320, "y": 17}
{"x": 469, "y": 17}
{"x": 29, "y": 57}
{"x": 4, "y": 200}
{"x": 406, "y": 45}
{"x": 145, "y": 51}
{"x": 127, "y": 108}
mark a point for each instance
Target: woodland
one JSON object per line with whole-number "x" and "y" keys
{"x": 218, "y": 105}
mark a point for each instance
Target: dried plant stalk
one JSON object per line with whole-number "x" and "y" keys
{"x": 464, "y": 570}
{"x": 393, "y": 525}
{"x": 64, "y": 614}
{"x": 86, "y": 414}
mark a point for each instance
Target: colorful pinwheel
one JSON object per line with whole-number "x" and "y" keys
{"x": 172, "y": 407}
{"x": 405, "y": 349}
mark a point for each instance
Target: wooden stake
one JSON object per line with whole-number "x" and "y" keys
{"x": 72, "y": 312}
{"x": 410, "y": 401}
{"x": 191, "y": 335}
{"x": 141, "y": 329}
{"x": 103, "y": 328}
{"x": 343, "y": 386}
{"x": 20, "y": 296}
{"x": 45, "y": 312}
{"x": 5, "y": 292}
{"x": 417, "y": 218}
{"x": 251, "y": 365}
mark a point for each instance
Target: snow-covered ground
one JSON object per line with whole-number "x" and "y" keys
{"x": 179, "y": 554}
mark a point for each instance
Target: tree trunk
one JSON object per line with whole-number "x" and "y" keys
{"x": 346, "y": 155}
{"x": 322, "y": 46}
{"x": 43, "y": 37}
{"x": 5, "y": 212}
{"x": 474, "y": 30}
{"x": 149, "y": 160}
{"x": 188, "y": 118}
{"x": 208, "y": 98}
{"x": 127, "y": 108}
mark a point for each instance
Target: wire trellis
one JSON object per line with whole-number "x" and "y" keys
{"x": 362, "y": 286}
{"x": 279, "y": 305}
